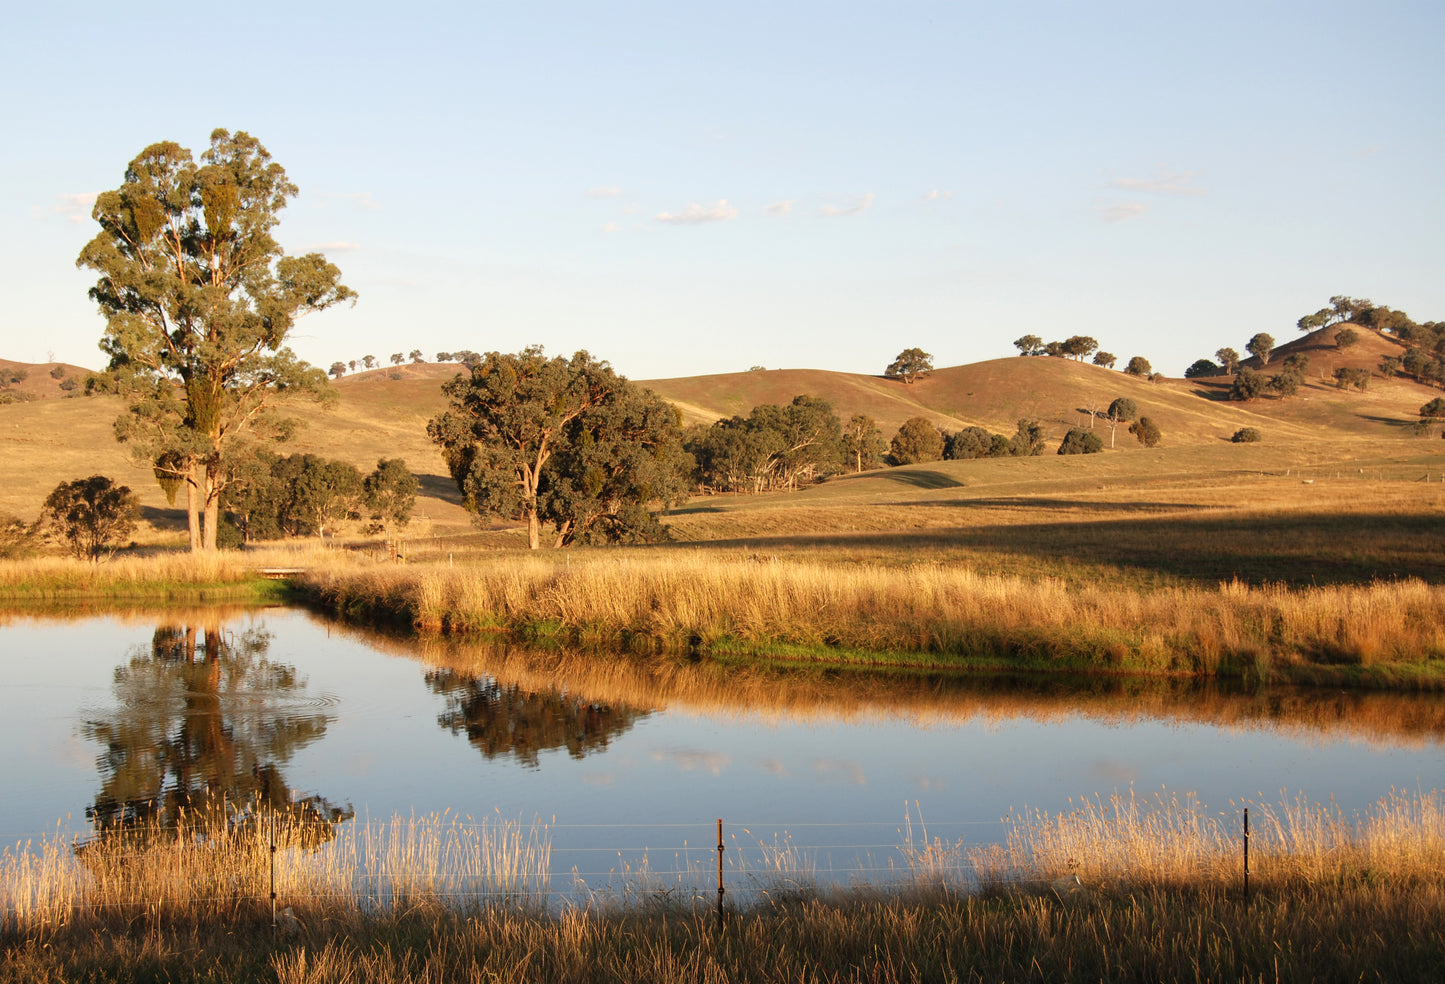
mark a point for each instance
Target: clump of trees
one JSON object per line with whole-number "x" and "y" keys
{"x": 565, "y": 443}
{"x": 1074, "y": 347}
{"x": 92, "y": 516}
{"x": 1201, "y": 367}
{"x": 911, "y": 365}
{"x": 199, "y": 299}
{"x": 779, "y": 447}
{"x": 1139, "y": 366}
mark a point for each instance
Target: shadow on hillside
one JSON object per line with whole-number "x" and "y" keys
{"x": 919, "y": 479}
{"x": 1388, "y": 421}
{"x": 440, "y": 487}
{"x": 1060, "y": 505}
{"x": 1296, "y": 549}
{"x": 164, "y": 519}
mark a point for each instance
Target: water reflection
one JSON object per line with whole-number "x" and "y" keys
{"x": 507, "y": 720}
{"x": 203, "y": 725}
{"x": 802, "y": 693}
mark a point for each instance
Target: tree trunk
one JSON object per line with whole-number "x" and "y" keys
{"x": 212, "y": 491}
{"x": 534, "y": 527}
{"x": 193, "y": 510}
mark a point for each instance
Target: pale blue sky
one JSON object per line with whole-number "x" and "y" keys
{"x": 684, "y": 189}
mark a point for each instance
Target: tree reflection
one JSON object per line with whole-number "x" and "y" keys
{"x": 204, "y": 723}
{"x": 505, "y": 720}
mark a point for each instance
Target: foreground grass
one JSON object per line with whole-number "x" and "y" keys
{"x": 1386, "y": 634}
{"x": 1118, "y": 890}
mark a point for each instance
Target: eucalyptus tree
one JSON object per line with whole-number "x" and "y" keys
{"x": 198, "y": 299}
{"x": 566, "y": 441}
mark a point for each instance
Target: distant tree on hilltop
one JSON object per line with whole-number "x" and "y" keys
{"x": 911, "y": 365}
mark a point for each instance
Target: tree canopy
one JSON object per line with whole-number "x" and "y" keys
{"x": 1138, "y": 366}
{"x": 562, "y": 441}
{"x": 92, "y": 515}
{"x": 911, "y": 365}
{"x": 774, "y": 447}
{"x": 1260, "y": 346}
{"x": 198, "y": 299}
{"x": 919, "y": 439}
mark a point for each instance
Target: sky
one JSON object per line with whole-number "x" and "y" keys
{"x": 689, "y": 188}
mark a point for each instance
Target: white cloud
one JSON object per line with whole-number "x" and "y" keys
{"x": 695, "y": 214}
{"x": 860, "y": 204}
{"x": 779, "y": 208}
{"x": 604, "y": 191}
{"x": 935, "y": 195}
{"x": 1164, "y": 182}
{"x": 74, "y": 207}
{"x": 1122, "y": 211}
{"x": 611, "y": 227}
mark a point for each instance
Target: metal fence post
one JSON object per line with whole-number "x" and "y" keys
{"x": 719, "y": 875}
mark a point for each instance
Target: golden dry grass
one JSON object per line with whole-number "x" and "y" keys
{"x": 1123, "y": 889}
{"x": 921, "y": 614}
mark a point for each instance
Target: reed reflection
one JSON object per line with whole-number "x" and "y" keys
{"x": 203, "y": 726}
{"x": 510, "y": 721}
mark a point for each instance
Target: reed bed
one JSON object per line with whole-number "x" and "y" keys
{"x": 159, "y": 577}
{"x": 1385, "y": 631}
{"x": 224, "y": 873}
{"x": 1133, "y": 889}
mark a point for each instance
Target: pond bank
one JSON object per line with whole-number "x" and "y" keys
{"x": 1388, "y": 634}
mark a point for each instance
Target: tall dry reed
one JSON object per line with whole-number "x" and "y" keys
{"x": 932, "y": 610}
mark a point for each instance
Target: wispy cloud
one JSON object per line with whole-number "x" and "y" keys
{"x": 688, "y": 759}
{"x": 361, "y": 199}
{"x": 936, "y": 195}
{"x": 860, "y": 204}
{"x": 696, "y": 214}
{"x": 1122, "y": 211}
{"x": 837, "y": 768}
{"x": 611, "y": 227}
{"x": 779, "y": 208}
{"x": 604, "y": 191}
{"x": 1164, "y": 182}
{"x": 74, "y": 207}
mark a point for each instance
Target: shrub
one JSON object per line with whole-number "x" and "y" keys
{"x": 1248, "y": 384}
{"x": 1146, "y": 431}
{"x": 917, "y": 440}
{"x": 92, "y": 515}
{"x": 1081, "y": 441}
{"x": 1245, "y": 435}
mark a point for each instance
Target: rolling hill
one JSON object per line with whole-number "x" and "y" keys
{"x": 383, "y": 413}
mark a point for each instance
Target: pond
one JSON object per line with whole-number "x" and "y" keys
{"x": 629, "y": 761}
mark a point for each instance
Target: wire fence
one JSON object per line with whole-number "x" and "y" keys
{"x": 246, "y": 859}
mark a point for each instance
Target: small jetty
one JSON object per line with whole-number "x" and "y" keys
{"x": 280, "y": 573}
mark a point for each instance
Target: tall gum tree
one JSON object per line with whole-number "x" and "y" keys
{"x": 198, "y": 299}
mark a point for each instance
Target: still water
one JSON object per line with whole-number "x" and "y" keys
{"x": 110, "y": 719}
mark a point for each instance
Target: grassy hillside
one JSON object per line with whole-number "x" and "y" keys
{"x": 1322, "y": 430}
